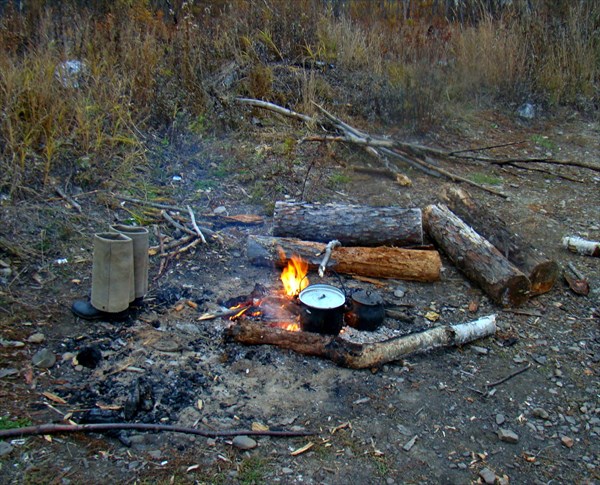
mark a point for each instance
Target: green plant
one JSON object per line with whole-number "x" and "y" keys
{"x": 253, "y": 470}
{"x": 484, "y": 178}
{"x": 8, "y": 423}
{"x": 338, "y": 179}
{"x": 543, "y": 141}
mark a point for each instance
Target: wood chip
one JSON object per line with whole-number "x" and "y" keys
{"x": 54, "y": 397}
{"x": 306, "y": 447}
{"x": 259, "y": 427}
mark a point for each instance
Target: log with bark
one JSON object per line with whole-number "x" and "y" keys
{"x": 476, "y": 257}
{"x": 352, "y": 225}
{"x": 541, "y": 271}
{"x": 361, "y": 356}
{"x": 381, "y": 262}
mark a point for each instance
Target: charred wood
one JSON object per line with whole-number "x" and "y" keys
{"x": 361, "y": 356}
{"x": 380, "y": 262}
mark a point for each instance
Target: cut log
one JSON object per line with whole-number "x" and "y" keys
{"x": 381, "y": 262}
{"x": 361, "y": 356}
{"x": 541, "y": 271}
{"x": 352, "y": 225}
{"x": 576, "y": 244}
{"x": 476, "y": 257}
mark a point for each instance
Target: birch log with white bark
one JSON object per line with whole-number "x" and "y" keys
{"x": 361, "y": 356}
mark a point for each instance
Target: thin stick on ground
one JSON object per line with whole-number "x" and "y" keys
{"x": 194, "y": 225}
{"x": 510, "y": 376}
{"x": 68, "y": 198}
{"x": 44, "y": 429}
{"x": 148, "y": 203}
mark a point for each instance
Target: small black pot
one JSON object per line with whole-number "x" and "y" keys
{"x": 367, "y": 311}
{"x": 322, "y": 309}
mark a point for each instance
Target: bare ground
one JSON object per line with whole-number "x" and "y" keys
{"x": 362, "y": 419}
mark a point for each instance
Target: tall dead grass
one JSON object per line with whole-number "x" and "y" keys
{"x": 147, "y": 68}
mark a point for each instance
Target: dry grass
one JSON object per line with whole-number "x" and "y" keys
{"x": 146, "y": 68}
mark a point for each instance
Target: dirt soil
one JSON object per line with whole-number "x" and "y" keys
{"x": 427, "y": 419}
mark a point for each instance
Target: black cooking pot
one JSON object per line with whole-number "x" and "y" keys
{"x": 367, "y": 312}
{"x": 322, "y": 309}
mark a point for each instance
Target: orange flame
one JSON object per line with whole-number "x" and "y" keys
{"x": 293, "y": 276}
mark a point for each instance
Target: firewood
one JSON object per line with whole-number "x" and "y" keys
{"x": 476, "y": 257}
{"x": 380, "y": 262}
{"x": 361, "y": 356}
{"x": 578, "y": 245}
{"x": 352, "y": 225}
{"x": 541, "y": 271}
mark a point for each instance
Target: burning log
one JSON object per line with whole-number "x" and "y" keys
{"x": 381, "y": 262}
{"x": 361, "y": 356}
{"x": 352, "y": 225}
{"x": 476, "y": 257}
{"x": 541, "y": 271}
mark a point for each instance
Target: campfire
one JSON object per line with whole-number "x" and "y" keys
{"x": 276, "y": 308}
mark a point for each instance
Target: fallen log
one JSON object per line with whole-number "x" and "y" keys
{"x": 352, "y": 225}
{"x": 381, "y": 262}
{"x": 476, "y": 257}
{"x": 541, "y": 271}
{"x": 360, "y": 356}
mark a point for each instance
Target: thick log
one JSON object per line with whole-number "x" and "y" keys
{"x": 541, "y": 271}
{"x": 381, "y": 262}
{"x": 476, "y": 257}
{"x": 361, "y": 356}
{"x": 352, "y": 225}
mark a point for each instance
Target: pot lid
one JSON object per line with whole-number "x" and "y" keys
{"x": 323, "y": 297}
{"x": 367, "y": 297}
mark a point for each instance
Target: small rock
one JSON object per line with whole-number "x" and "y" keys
{"x": 8, "y": 372}
{"x": 211, "y": 442}
{"x": 244, "y": 443}
{"x": 462, "y": 466}
{"x": 390, "y": 481}
{"x": 488, "y": 476}
{"x": 43, "y": 358}
{"x": 36, "y": 338}
{"x": 399, "y": 292}
{"x": 567, "y": 441}
{"x": 500, "y": 419}
{"x": 480, "y": 350}
{"x": 287, "y": 471}
{"x": 156, "y": 454}
{"x": 540, "y": 413}
{"x": 410, "y": 443}
{"x": 526, "y": 111}
{"x": 508, "y": 435}
{"x": 5, "y": 448}
{"x": 68, "y": 356}
{"x": 220, "y": 210}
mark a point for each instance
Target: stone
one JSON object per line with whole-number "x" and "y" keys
{"x": 488, "y": 476}
{"x": 156, "y": 454}
{"x": 36, "y": 338}
{"x": 221, "y": 210}
{"x": 286, "y": 470}
{"x": 540, "y": 413}
{"x": 567, "y": 441}
{"x": 500, "y": 419}
{"x": 479, "y": 350}
{"x": 508, "y": 435}
{"x": 410, "y": 443}
{"x": 43, "y": 358}
{"x": 244, "y": 443}
{"x": 5, "y": 448}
